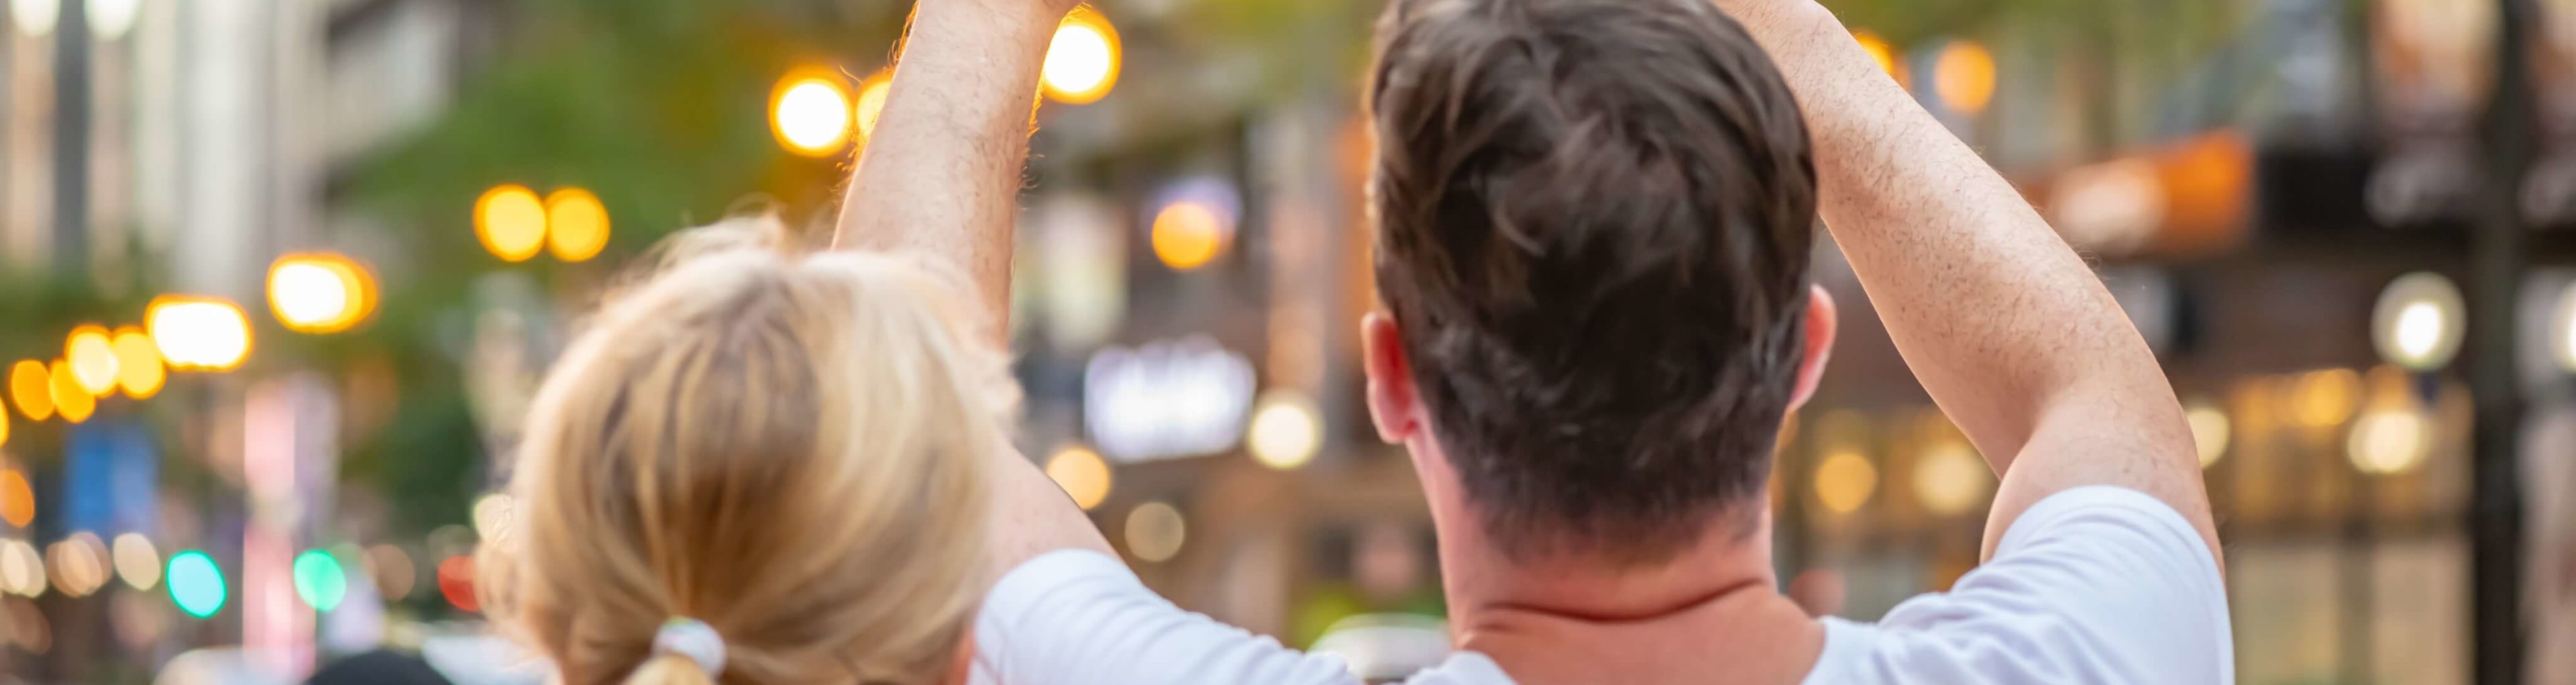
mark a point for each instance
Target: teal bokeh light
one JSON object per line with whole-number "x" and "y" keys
{"x": 195, "y": 583}
{"x": 318, "y": 580}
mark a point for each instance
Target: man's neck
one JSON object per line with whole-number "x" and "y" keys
{"x": 1712, "y": 615}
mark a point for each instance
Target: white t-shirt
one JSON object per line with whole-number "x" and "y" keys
{"x": 2092, "y": 585}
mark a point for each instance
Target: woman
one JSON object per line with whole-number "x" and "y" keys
{"x": 760, "y": 467}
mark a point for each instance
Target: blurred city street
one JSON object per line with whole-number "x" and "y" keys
{"x": 278, "y": 279}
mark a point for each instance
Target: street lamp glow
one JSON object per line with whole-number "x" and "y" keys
{"x": 92, "y": 355}
{"x": 811, "y": 113}
{"x": 1082, "y": 62}
{"x": 576, "y": 225}
{"x": 1950, "y": 478}
{"x": 1964, "y": 76}
{"x": 2419, "y": 321}
{"x": 320, "y": 293}
{"x": 31, "y": 386}
{"x": 17, "y": 499}
{"x": 199, "y": 333}
{"x": 2389, "y": 441}
{"x": 138, "y": 364}
{"x": 511, "y": 222}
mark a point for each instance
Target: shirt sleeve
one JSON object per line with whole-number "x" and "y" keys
{"x": 2092, "y": 585}
{"x": 1079, "y": 618}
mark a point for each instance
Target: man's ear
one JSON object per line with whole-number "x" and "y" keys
{"x": 1819, "y": 345}
{"x": 1393, "y": 404}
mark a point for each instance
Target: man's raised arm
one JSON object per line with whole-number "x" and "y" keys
{"x": 940, "y": 181}
{"x": 2009, "y": 331}
{"x": 941, "y": 175}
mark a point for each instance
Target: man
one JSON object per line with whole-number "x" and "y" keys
{"x": 1594, "y": 219}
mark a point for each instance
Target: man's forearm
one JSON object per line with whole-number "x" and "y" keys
{"x": 1991, "y": 309}
{"x": 942, "y": 172}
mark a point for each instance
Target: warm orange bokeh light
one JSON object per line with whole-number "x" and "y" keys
{"x": 138, "y": 364}
{"x": 1188, "y": 235}
{"x": 872, "y": 101}
{"x": 320, "y": 292}
{"x": 17, "y": 499}
{"x": 72, "y": 401}
{"x": 1884, "y": 53}
{"x": 1082, "y": 62}
{"x": 511, "y": 222}
{"x": 32, "y": 388}
{"x": 93, "y": 359}
{"x": 810, "y": 112}
{"x": 198, "y": 333}
{"x": 1965, "y": 77}
{"x": 576, "y": 225}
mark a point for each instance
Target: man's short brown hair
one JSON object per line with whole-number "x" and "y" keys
{"x": 1594, "y": 222}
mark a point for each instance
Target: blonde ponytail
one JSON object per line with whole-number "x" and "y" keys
{"x": 788, "y": 448}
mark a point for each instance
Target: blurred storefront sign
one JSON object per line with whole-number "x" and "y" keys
{"x": 1166, "y": 400}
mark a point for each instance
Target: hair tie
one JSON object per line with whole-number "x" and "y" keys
{"x": 694, "y": 639}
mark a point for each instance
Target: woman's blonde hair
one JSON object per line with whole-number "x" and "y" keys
{"x": 788, "y": 448}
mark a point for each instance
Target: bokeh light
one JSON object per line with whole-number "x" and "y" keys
{"x": 2562, "y": 330}
{"x": 199, "y": 333}
{"x": 79, "y": 564}
{"x": 1155, "y": 532}
{"x": 1845, "y": 481}
{"x": 31, "y": 387}
{"x": 1189, "y": 234}
{"x": 1950, "y": 478}
{"x": 576, "y": 225}
{"x": 2419, "y": 321}
{"x": 1287, "y": 430}
{"x": 196, "y": 583}
{"x": 1082, "y": 62}
{"x": 92, "y": 355}
{"x": 811, "y": 113}
{"x": 138, "y": 364}
{"x": 320, "y": 293}
{"x": 22, "y": 569}
{"x": 17, "y": 499}
{"x": 511, "y": 222}
{"x": 138, "y": 563}
{"x": 319, "y": 581}
{"x": 1082, "y": 473}
{"x": 1882, "y": 52}
{"x": 35, "y": 18}
{"x": 2389, "y": 441}
{"x": 71, "y": 401}
{"x": 2326, "y": 398}
{"x": 111, "y": 19}
{"x": 456, "y": 582}
{"x": 872, "y": 100}
{"x": 2210, "y": 430}
{"x": 392, "y": 570}
{"x": 1964, "y": 76}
